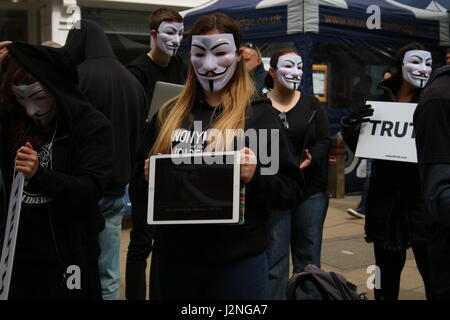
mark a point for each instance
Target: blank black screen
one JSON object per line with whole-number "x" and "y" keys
{"x": 192, "y": 191}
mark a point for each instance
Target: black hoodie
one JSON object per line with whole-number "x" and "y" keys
{"x": 81, "y": 163}
{"x": 219, "y": 244}
{"x": 113, "y": 90}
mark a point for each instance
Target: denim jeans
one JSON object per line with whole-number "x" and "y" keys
{"x": 109, "y": 239}
{"x": 365, "y": 189}
{"x": 301, "y": 229}
{"x": 243, "y": 280}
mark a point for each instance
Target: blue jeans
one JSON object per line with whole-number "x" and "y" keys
{"x": 243, "y": 280}
{"x": 302, "y": 229}
{"x": 365, "y": 189}
{"x": 109, "y": 239}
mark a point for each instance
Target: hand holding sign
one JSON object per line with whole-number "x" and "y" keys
{"x": 358, "y": 116}
{"x": 27, "y": 161}
{"x": 307, "y": 158}
{"x": 248, "y": 165}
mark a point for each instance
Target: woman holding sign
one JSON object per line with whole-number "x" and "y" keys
{"x": 394, "y": 210}
{"x": 61, "y": 145}
{"x": 214, "y": 261}
{"x": 309, "y": 131}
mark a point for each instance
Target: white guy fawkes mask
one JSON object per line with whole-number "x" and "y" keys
{"x": 37, "y": 102}
{"x": 214, "y": 60}
{"x": 416, "y": 67}
{"x": 290, "y": 70}
{"x": 169, "y": 37}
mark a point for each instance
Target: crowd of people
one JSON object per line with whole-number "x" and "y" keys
{"x": 74, "y": 122}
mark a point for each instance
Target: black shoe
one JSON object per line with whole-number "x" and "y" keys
{"x": 357, "y": 213}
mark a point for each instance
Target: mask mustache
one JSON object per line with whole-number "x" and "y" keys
{"x": 293, "y": 78}
{"x": 420, "y": 75}
{"x": 210, "y": 74}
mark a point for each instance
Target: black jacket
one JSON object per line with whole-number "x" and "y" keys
{"x": 432, "y": 125}
{"x": 113, "y": 90}
{"x": 217, "y": 244}
{"x": 394, "y": 210}
{"x": 81, "y": 163}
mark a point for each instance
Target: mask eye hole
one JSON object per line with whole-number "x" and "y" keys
{"x": 220, "y": 53}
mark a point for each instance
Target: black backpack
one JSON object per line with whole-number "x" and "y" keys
{"x": 327, "y": 286}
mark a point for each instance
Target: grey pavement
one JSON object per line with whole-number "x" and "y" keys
{"x": 344, "y": 251}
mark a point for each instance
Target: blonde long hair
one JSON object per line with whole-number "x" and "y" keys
{"x": 235, "y": 98}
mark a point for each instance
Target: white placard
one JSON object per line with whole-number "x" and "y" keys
{"x": 389, "y": 135}
{"x": 9, "y": 242}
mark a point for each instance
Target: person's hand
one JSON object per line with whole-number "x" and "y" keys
{"x": 360, "y": 115}
{"x": 27, "y": 160}
{"x": 4, "y": 52}
{"x": 146, "y": 168}
{"x": 307, "y": 158}
{"x": 248, "y": 165}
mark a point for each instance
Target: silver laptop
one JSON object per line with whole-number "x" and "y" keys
{"x": 163, "y": 92}
{"x": 192, "y": 189}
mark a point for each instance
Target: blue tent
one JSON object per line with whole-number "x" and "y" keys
{"x": 343, "y": 36}
{"x": 305, "y": 23}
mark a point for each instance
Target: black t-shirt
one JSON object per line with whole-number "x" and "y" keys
{"x": 432, "y": 123}
{"x": 318, "y": 143}
{"x": 148, "y": 72}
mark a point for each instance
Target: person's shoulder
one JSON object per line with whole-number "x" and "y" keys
{"x": 261, "y": 113}
{"x": 438, "y": 89}
{"x": 140, "y": 62}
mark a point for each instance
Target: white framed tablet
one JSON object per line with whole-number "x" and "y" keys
{"x": 198, "y": 188}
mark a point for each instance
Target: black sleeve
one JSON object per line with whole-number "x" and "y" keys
{"x": 282, "y": 190}
{"x": 436, "y": 186}
{"x": 138, "y": 185}
{"x": 432, "y": 127}
{"x": 351, "y": 136}
{"x": 83, "y": 188}
{"x": 322, "y": 141}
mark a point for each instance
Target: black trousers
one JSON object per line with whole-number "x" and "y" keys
{"x": 391, "y": 264}
{"x": 139, "y": 250}
{"x": 439, "y": 249}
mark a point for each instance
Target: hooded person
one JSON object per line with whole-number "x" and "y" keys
{"x": 62, "y": 145}
{"x": 432, "y": 127}
{"x": 114, "y": 91}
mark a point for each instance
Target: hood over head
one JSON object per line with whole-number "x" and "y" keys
{"x": 88, "y": 42}
{"x": 55, "y": 69}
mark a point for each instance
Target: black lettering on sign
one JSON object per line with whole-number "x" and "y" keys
{"x": 386, "y": 127}
{"x": 374, "y": 127}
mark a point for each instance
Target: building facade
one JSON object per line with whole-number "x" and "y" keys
{"x": 124, "y": 21}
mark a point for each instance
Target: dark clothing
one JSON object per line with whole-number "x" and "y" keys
{"x": 221, "y": 244}
{"x": 113, "y": 90}
{"x": 148, "y": 73}
{"x": 318, "y": 143}
{"x": 258, "y": 75}
{"x": 394, "y": 211}
{"x": 432, "y": 125}
{"x": 391, "y": 264}
{"x": 80, "y": 165}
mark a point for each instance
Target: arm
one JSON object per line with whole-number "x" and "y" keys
{"x": 282, "y": 189}
{"x": 322, "y": 143}
{"x": 351, "y": 125}
{"x": 436, "y": 186}
{"x": 83, "y": 187}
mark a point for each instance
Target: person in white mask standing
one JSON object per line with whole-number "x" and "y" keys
{"x": 217, "y": 261}
{"x": 395, "y": 217}
{"x": 309, "y": 131}
{"x": 161, "y": 63}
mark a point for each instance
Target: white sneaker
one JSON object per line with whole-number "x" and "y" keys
{"x": 356, "y": 213}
